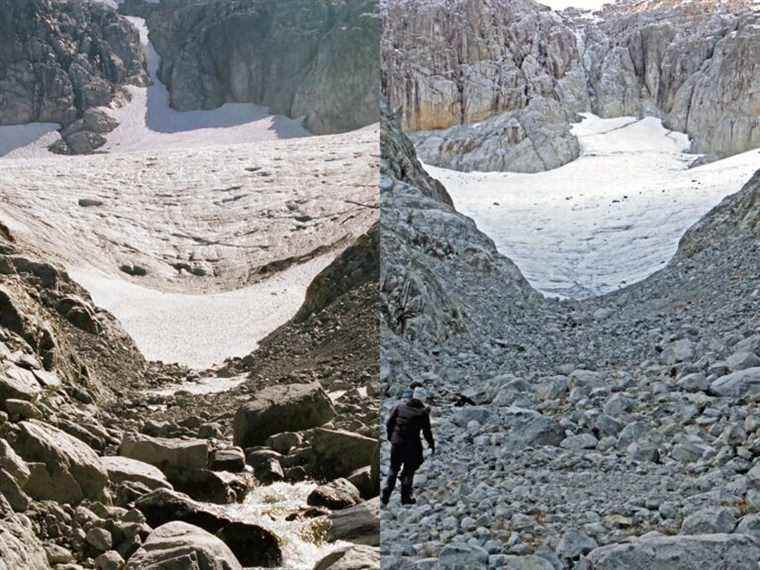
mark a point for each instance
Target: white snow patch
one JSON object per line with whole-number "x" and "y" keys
{"x": 206, "y": 385}
{"x": 201, "y": 330}
{"x": 608, "y": 219}
{"x": 28, "y": 141}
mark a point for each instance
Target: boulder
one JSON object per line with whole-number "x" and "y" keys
{"x": 460, "y": 556}
{"x": 276, "y": 409}
{"x": 338, "y": 494}
{"x": 65, "y": 469}
{"x": 20, "y": 549}
{"x": 364, "y": 480}
{"x": 18, "y": 383}
{"x": 359, "y": 524}
{"x": 734, "y": 551}
{"x": 166, "y": 452}
{"x": 252, "y": 544}
{"x": 738, "y": 384}
{"x": 230, "y": 459}
{"x": 710, "y": 521}
{"x": 338, "y": 453}
{"x": 358, "y": 557}
{"x": 125, "y": 469}
{"x": 178, "y": 545}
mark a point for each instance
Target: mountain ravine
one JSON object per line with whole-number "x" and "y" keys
{"x": 182, "y": 385}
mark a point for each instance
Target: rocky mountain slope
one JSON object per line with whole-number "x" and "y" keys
{"x": 500, "y": 92}
{"x": 96, "y": 471}
{"x": 617, "y": 430}
{"x": 317, "y": 60}
{"x": 60, "y": 61}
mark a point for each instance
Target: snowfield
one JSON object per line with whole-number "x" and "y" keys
{"x": 201, "y": 330}
{"x": 229, "y": 236}
{"x": 230, "y": 213}
{"x": 608, "y": 219}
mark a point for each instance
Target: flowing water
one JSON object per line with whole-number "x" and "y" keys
{"x": 301, "y": 540}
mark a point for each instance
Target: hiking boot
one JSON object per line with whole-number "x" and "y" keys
{"x": 385, "y": 496}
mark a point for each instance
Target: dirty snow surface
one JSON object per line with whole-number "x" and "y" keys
{"x": 228, "y": 237}
{"x": 608, "y": 219}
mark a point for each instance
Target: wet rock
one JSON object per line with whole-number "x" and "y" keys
{"x": 359, "y": 524}
{"x": 228, "y": 459}
{"x": 338, "y": 453}
{"x": 279, "y": 409}
{"x": 180, "y": 545}
{"x": 338, "y": 494}
{"x": 253, "y": 545}
{"x": 248, "y": 541}
{"x": 266, "y": 465}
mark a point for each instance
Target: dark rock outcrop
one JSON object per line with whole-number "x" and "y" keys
{"x": 60, "y": 60}
{"x": 499, "y": 83}
{"x": 301, "y": 58}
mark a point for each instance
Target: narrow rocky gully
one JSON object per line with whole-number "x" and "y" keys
{"x": 181, "y": 382}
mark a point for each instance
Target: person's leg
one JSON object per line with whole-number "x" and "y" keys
{"x": 407, "y": 484}
{"x": 390, "y": 482}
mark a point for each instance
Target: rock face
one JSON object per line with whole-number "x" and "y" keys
{"x": 181, "y": 545}
{"x": 65, "y": 469}
{"x": 317, "y": 60}
{"x": 277, "y": 409}
{"x": 61, "y": 60}
{"x": 501, "y": 90}
{"x": 20, "y": 549}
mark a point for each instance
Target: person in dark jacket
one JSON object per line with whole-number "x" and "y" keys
{"x": 407, "y": 421}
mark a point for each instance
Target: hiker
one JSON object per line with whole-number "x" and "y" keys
{"x": 407, "y": 421}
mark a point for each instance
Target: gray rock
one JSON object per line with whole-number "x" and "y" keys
{"x": 277, "y": 409}
{"x": 125, "y": 469}
{"x": 356, "y": 557}
{"x": 165, "y": 452}
{"x": 679, "y": 553}
{"x": 738, "y": 384}
{"x": 462, "y": 557}
{"x": 66, "y": 469}
{"x": 710, "y": 521}
{"x": 181, "y": 545}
